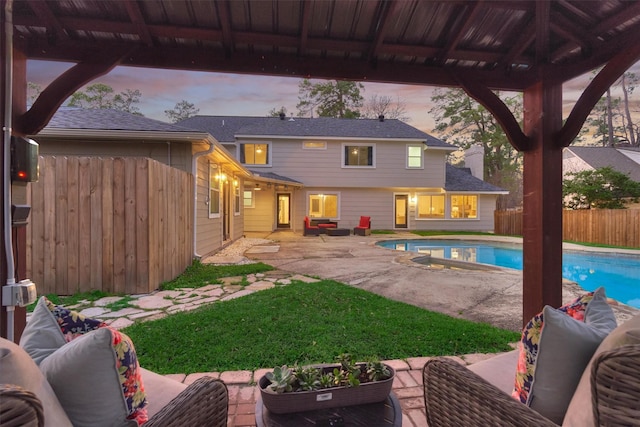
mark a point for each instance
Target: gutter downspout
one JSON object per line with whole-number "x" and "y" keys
{"x": 194, "y": 172}
{"x": 6, "y": 130}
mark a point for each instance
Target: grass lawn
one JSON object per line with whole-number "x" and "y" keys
{"x": 305, "y": 323}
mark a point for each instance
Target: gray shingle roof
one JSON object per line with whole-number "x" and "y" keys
{"x": 271, "y": 175}
{"x": 599, "y": 157}
{"x": 226, "y": 128}
{"x": 460, "y": 179}
{"x": 105, "y": 119}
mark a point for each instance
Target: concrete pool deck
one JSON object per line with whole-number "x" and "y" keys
{"x": 494, "y": 297}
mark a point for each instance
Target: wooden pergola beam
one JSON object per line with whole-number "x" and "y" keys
{"x": 60, "y": 89}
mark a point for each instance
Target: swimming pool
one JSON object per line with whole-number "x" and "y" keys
{"x": 618, "y": 273}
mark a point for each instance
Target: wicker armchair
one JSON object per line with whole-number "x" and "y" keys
{"x": 203, "y": 403}
{"x": 455, "y": 396}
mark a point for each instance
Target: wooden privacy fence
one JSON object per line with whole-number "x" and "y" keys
{"x": 120, "y": 225}
{"x": 615, "y": 227}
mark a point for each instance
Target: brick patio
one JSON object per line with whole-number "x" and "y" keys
{"x": 243, "y": 391}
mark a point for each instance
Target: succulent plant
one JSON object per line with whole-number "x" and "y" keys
{"x": 282, "y": 379}
{"x": 308, "y": 378}
{"x": 347, "y": 374}
{"x": 376, "y": 370}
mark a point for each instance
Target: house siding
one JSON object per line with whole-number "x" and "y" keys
{"x": 324, "y": 167}
{"x": 262, "y": 216}
{"x": 378, "y": 203}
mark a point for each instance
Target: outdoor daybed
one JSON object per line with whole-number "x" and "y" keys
{"x": 94, "y": 379}
{"x": 577, "y": 385}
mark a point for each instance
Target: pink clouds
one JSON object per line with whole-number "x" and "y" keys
{"x": 249, "y": 95}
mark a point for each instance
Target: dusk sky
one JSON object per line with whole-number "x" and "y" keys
{"x": 246, "y": 95}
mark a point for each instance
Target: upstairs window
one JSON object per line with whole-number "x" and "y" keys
{"x": 254, "y": 154}
{"x": 314, "y": 145}
{"x": 414, "y": 156}
{"x": 358, "y": 155}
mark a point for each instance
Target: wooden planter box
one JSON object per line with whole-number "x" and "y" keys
{"x": 299, "y": 401}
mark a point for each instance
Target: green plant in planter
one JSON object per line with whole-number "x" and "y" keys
{"x": 376, "y": 370}
{"x": 310, "y": 378}
{"x": 282, "y": 379}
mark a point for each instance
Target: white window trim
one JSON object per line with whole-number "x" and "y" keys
{"x": 447, "y": 202}
{"x": 256, "y": 165}
{"x": 420, "y": 146}
{"x": 324, "y": 147}
{"x": 450, "y": 203}
{"x": 358, "y": 144}
{"x": 213, "y": 168}
{"x": 324, "y": 193}
{"x": 253, "y": 198}
{"x": 236, "y": 187}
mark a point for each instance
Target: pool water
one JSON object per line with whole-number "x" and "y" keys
{"x": 618, "y": 273}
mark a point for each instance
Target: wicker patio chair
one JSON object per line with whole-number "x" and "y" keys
{"x": 203, "y": 403}
{"x": 19, "y": 407}
{"x": 456, "y": 396}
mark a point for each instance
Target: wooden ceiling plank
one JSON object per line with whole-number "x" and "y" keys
{"x": 43, "y": 12}
{"x": 381, "y": 25}
{"x": 224, "y": 16}
{"x": 543, "y": 10}
{"x": 465, "y": 21}
{"x": 305, "y": 16}
{"x": 135, "y": 14}
{"x": 526, "y": 38}
{"x": 624, "y": 15}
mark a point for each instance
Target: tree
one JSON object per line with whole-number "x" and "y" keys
{"x": 275, "y": 112}
{"x": 603, "y": 118}
{"x": 182, "y": 110}
{"x": 101, "y": 96}
{"x": 463, "y": 122}
{"x": 382, "y": 105}
{"x": 334, "y": 98}
{"x": 603, "y": 188}
{"x": 33, "y": 92}
{"x": 124, "y": 101}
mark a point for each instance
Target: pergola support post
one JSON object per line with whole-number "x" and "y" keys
{"x": 542, "y": 189}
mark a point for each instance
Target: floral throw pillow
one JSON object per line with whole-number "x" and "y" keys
{"x": 71, "y": 323}
{"x": 528, "y": 345}
{"x": 98, "y": 380}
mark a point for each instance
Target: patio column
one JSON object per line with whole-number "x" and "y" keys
{"x": 19, "y": 234}
{"x": 542, "y": 189}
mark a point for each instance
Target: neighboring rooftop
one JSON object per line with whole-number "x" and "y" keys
{"x": 227, "y": 128}
{"x": 619, "y": 159}
{"x": 106, "y": 119}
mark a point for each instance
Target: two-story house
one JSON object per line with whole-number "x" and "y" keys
{"x": 340, "y": 169}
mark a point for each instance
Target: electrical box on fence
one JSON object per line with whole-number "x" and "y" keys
{"x": 24, "y": 159}
{"x": 20, "y": 214}
{"x": 20, "y": 294}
